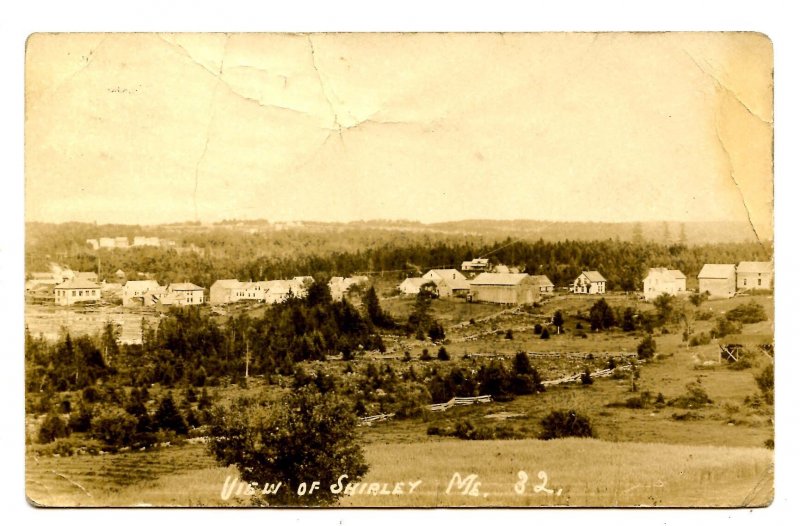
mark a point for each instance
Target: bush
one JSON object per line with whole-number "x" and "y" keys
{"x": 750, "y": 312}
{"x": 52, "y": 427}
{"x": 436, "y": 332}
{"x": 695, "y": 396}
{"x": 697, "y": 299}
{"x": 537, "y": 329}
{"x": 560, "y": 424}
{"x": 306, "y": 436}
{"x": 766, "y": 382}
{"x": 442, "y": 354}
{"x": 703, "y": 315}
{"x": 114, "y": 426}
{"x": 425, "y": 356}
{"x": 509, "y": 334}
{"x": 724, "y": 327}
{"x": 586, "y": 377}
{"x": 406, "y": 356}
{"x": 699, "y": 339}
{"x": 545, "y": 334}
{"x": 169, "y": 418}
{"x": 647, "y": 348}
{"x": 81, "y": 420}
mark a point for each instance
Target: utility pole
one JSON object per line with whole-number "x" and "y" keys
{"x": 247, "y": 358}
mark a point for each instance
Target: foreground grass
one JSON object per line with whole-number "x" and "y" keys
{"x": 587, "y": 472}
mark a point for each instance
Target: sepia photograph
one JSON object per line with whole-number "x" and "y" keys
{"x": 399, "y": 270}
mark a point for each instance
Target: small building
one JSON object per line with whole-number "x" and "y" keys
{"x": 718, "y": 280}
{"x": 133, "y": 291}
{"x": 661, "y": 280}
{"x": 121, "y": 242}
{"x": 589, "y": 282}
{"x": 192, "y": 294}
{"x": 511, "y": 289}
{"x": 476, "y": 265}
{"x": 40, "y": 293}
{"x": 754, "y": 275}
{"x": 120, "y": 274}
{"x": 225, "y": 291}
{"x": 412, "y": 285}
{"x": 76, "y": 291}
{"x": 339, "y": 286}
{"x": 449, "y": 282}
{"x": 106, "y": 242}
{"x": 543, "y": 282}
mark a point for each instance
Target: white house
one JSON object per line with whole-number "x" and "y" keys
{"x": 449, "y": 282}
{"x": 192, "y": 294}
{"x": 225, "y": 291}
{"x": 413, "y": 285}
{"x": 134, "y": 290}
{"x": 754, "y": 275}
{"x": 589, "y": 282}
{"x": 339, "y": 285}
{"x": 661, "y": 280}
{"x": 476, "y": 265}
{"x": 76, "y": 291}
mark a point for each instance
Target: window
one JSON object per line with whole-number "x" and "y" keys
{"x": 73, "y": 293}
{"x": 744, "y": 282}
{"x": 759, "y": 282}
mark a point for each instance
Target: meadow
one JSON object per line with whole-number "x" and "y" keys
{"x": 653, "y": 454}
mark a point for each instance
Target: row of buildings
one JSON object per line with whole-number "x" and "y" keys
{"x": 716, "y": 280}
{"x": 491, "y": 287}
{"x": 123, "y": 242}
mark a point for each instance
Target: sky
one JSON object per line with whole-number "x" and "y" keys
{"x": 151, "y": 128}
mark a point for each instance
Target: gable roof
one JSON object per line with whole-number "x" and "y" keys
{"x": 492, "y": 278}
{"x": 78, "y": 283}
{"x": 717, "y": 271}
{"x": 448, "y": 274}
{"x": 593, "y": 276}
{"x": 184, "y": 286}
{"x": 760, "y": 267}
{"x": 227, "y": 283}
{"x": 542, "y": 280}
{"x": 677, "y": 274}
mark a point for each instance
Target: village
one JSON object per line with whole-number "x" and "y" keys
{"x": 477, "y": 281}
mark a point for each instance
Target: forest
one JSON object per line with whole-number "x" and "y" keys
{"x": 221, "y": 252}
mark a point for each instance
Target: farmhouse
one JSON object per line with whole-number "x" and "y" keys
{"x": 663, "y": 281}
{"x": 133, "y": 291}
{"x": 449, "y": 282}
{"x": 76, "y": 291}
{"x": 339, "y": 285}
{"x": 514, "y": 289}
{"x": 543, "y": 282}
{"x": 413, "y": 285}
{"x": 476, "y": 265}
{"x": 192, "y": 294}
{"x": 589, "y": 282}
{"x": 717, "y": 280}
{"x": 754, "y": 275}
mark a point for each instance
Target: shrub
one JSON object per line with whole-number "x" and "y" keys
{"x": 586, "y": 377}
{"x": 545, "y": 334}
{"x": 769, "y": 443}
{"x": 724, "y": 327}
{"x": 436, "y": 332}
{"x": 766, "y": 382}
{"x": 579, "y": 326}
{"x": 695, "y": 396}
{"x": 425, "y": 356}
{"x": 81, "y": 420}
{"x": 509, "y": 334}
{"x": 612, "y": 363}
{"x": 537, "y": 329}
{"x": 750, "y": 312}
{"x": 697, "y": 299}
{"x": 406, "y": 356}
{"x": 114, "y": 426}
{"x": 704, "y": 315}
{"x": 700, "y": 339}
{"x": 560, "y": 424}
{"x": 169, "y": 418}
{"x": 52, "y": 427}
{"x": 646, "y": 348}
{"x": 442, "y": 354}
{"x": 410, "y": 400}
{"x": 306, "y": 436}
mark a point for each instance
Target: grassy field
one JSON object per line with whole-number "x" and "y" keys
{"x": 658, "y": 455}
{"x": 587, "y": 472}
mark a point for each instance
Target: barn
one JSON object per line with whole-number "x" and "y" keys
{"x": 512, "y": 289}
{"x": 718, "y": 280}
{"x": 449, "y": 282}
